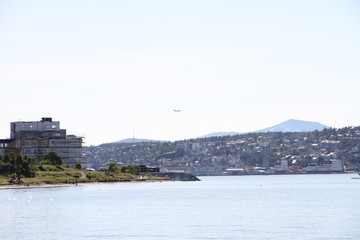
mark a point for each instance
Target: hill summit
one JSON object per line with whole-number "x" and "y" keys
{"x": 293, "y": 125}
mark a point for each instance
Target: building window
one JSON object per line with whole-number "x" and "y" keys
{"x": 53, "y": 126}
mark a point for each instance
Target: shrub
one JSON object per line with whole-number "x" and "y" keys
{"x": 113, "y": 167}
{"x": 6, "y": 167}
{"x": 78, "y": 166}
{"x": 53, "y": 158}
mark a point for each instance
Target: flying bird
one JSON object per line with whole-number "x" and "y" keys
{"x": 176, "y": 110}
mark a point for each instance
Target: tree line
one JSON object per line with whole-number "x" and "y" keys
{"x": 23, "y": 165}
{"x": 16, "y": 163}
{"x": 131, "y": 169}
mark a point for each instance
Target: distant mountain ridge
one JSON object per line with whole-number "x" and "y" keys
{"x": 137, "y": 140}
{"x": 291, "y": 125}
{"x": 219, "y": 134}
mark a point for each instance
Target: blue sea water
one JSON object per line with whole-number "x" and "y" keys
{"x": 233, "y": 207}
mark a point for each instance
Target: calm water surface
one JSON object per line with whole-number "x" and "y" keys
{"x": 239, "y": 207}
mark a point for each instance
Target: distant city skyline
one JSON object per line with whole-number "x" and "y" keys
{"x": 108, "y": 69}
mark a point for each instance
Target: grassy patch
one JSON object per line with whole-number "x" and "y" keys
{"x": 51, "y": 174}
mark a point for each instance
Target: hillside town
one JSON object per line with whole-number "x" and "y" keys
{"x": 330, "y": 150}
{"x": 327, "y": 151}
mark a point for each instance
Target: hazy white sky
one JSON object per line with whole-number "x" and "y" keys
{"x": 107, "y": 68}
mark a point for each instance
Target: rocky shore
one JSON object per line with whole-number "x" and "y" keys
{"x": 176, "y": 176}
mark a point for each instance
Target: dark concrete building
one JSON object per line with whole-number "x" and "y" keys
{"x": 36, "y": 138}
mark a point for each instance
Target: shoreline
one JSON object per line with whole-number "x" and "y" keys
{"x": 49, "y": 185}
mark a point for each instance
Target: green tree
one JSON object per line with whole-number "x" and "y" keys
{"x": 113, "y": 167}
{"x": 52, "y": 158}
{"x": 19, "y": 163}
{"x": 135, "y": 169}
{"x": 78, "y": 166}
{"x": 23, "y": 166}
{"x": 131, "y": 169}
{"x": 6, "y": 167}
{"x": 12, "y": 159}
{"x": 26, "y": 166}
{"x": 6, "y": 158}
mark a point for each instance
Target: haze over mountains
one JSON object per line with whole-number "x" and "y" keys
{"x": 291, "y": 125}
